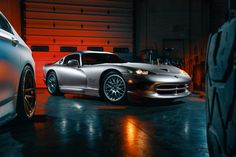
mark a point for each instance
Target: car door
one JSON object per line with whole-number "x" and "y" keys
{"x": 71, "y": 78}
{"x": 9, "y": 59}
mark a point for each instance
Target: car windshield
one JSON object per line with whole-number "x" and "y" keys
{"x": 91, "y": 59}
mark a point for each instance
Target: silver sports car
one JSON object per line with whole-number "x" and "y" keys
{"x": 17, "y": 81}
{"x": 105, "y": 74}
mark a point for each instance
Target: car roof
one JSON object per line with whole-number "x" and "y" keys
{"x": 92, "y": 52}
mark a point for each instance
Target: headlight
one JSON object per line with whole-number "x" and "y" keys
{"x": 139, "y": 72}
{"x": 142, "y": 72}
{"x": 183, "y": 72}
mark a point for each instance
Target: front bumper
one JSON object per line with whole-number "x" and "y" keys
{"x": 158, "y": 86}
{"x": 144, "y": 94}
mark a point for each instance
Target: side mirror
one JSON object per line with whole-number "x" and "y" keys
{"x": 73, "y": 63}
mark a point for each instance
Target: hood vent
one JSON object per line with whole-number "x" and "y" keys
{"x": 165, "y": 70}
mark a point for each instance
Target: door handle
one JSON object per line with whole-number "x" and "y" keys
{"x": 15, "y": 42}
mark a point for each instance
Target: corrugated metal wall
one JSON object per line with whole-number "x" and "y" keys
{"x": 52, "y": 26}
{"x": 11, "y": 9}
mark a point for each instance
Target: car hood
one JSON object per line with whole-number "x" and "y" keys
{"x": 157, "y": 69}
{"x": 154, "y": 68}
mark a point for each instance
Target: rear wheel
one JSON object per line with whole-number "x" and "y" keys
{"x": 52, "y": 84}
{"x": 26, "y": 99}
{"x": 114, "y": 87}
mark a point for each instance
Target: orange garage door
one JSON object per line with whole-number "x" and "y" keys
{"x": 54, "y": 28}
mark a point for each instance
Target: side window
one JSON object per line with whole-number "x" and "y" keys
{"x": 89, "y": 59}
{"x": 70, "y": 57}
{"x": 4, "y": 24}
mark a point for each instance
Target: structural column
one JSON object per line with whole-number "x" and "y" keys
{"x": 232, "y": 4}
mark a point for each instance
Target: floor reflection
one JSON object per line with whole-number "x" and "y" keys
{"x": 78, "y": 126}
{"x": 135, "y": 141}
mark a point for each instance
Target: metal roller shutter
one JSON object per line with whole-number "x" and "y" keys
{"x": 54, "y": 27}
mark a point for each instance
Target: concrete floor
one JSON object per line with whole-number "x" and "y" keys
{"x": 77, "y": 126}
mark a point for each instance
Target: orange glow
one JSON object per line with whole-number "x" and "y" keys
{"x": 130, "y": 81}
{"x": 6, "y": 79}
{"x": 135, "y": 140}
{"x": 196, "y": 99}
{"x": 86, "y": 25}
{"x": 131, "y": 133}
{"x": 42, "y": 98}
{"x": 105, "y": 107}
{"x": 39, "y": 125}
{"x": 197, "y": 77}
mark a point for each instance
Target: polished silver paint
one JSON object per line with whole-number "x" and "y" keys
{"x": 14, "y": 56}
{"x": 86, "y": 79}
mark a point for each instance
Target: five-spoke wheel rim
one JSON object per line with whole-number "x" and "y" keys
{"x": 29, "y": 94}
{"x": 114, "y": 88}
{"x": 52, "y": 83}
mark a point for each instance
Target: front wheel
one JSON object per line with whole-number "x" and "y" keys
{"x": 114, "y": 87}
{"x": 26, "y": 99}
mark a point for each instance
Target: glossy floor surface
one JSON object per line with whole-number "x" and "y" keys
{"x": 77, "y": 126}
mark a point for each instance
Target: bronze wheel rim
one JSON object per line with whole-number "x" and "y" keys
{"x": 29, "y": 94}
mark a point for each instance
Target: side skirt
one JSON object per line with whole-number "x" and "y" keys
{"x": 80, "y": 90}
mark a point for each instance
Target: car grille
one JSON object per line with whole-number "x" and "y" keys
{"x": 171, "y": 89}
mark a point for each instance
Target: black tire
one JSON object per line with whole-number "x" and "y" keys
{"x": 26, "y": 99}
{"x": 123, "y": 95}
{"x": 221, "y": 93}
{"x": 52, "y": 84}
